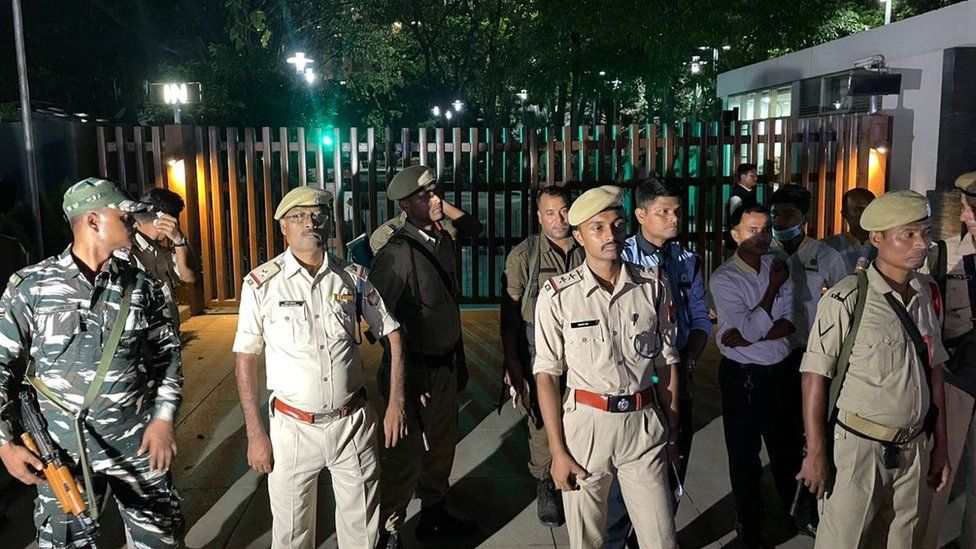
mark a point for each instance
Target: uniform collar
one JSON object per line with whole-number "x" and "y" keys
{"x": 647, "y": 247}
{"x": 140, "y": 241}
{"x": 545, "y": 245}
{"x": 421, "y": 234}
{"x": 292, "y": 267}
{"x": 743, "y": 266}
{"x": 112, "y": 268}
{"x": 881, "y": 286}
{"x": 591, "y": 284}
{"x": 806, "y": 240}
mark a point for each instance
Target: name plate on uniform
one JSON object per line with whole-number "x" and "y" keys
{"x": 291, "y": 303}
{"x": 584, "y": 324}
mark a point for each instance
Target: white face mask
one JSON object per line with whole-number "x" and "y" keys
{"x": 788, "y": 234}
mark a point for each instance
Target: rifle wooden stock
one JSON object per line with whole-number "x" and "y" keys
{"x": 61, "y": 480}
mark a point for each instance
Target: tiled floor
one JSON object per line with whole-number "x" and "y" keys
{"x": 226, "y": 504}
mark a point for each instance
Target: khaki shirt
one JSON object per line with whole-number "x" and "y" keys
{"x": 552, "y": 262}
{"x": 958, "y": 310}
{"x": 161, "y": 264}
{"x": 426, "y": 309}
{"x": 605, "y": 341}
{"x": 308, "y": 329}
{"x": 885, "y": 380}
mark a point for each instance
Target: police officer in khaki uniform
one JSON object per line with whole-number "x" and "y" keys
{"x": 415, "y": 272}
{"x": 892, "y": 396}
{"x": 535, "y": 260}
{"x": 303, "y": 310}
{"x": 607, "y": 326}
{"x": 956, "y": 273}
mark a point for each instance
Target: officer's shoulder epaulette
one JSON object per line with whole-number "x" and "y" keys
{"x": 265, "y": 272}
{"x": 355, "y": 269}
{"x": 559, "y": 283}
{"x": 845, "y": 289}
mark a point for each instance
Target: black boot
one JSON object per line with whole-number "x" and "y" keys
{"x": 436, "y": 523}
{"x": 389, "y": 540}
{"x": 549, "y": 503}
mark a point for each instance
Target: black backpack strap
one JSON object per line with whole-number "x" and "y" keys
{"x": 921, "y": 349}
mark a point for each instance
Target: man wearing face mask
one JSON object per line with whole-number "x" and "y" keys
{"x": 415, "y": 272}
{"x": 105, "y": 362}
{"x": 535, "y": 260}
{"x": 853, "y": 244}
{"x": 814, "y": 266}
{"x": 953, "y": 265}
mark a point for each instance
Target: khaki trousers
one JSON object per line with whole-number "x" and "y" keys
{"x": 632, "y": 444}
{"x": 961, "y": 434}
{"x": 872, "y": 506}
{"x": 540, "y": 460}
{"x": 347, "y": 447}
{"x": 407, "y": 468}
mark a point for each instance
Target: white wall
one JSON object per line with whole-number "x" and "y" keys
{"x": 913, "y": 47}
{"x": 915, "y": 122}
{"x": 937, "y": 30}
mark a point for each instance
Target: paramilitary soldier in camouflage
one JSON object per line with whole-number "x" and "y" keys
{"x": 535, "y": 260}
{"x": 878, "y": 338}
{"x": 60, "y": 314}
{"x": 953, "y": 264}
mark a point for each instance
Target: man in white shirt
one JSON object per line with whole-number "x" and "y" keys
{"x": 303, "y": 309}
{"x": 853, "y": 244}
{"x": 814, "y": 266}
{"x": 760, "y": 385}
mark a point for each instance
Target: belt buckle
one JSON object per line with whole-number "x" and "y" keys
{"x": 623, "y": 403}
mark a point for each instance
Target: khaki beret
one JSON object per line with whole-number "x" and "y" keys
{"x": 408, "y": 181}
{"x": 303, "y": 196}
{"x": 967, "y": 183}
{"x": 895, "y": 209}
{"x": 593, "y": 202}
{"x": 95, "y": 193}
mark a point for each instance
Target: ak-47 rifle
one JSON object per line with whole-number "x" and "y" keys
{"x": 37, "y": 438}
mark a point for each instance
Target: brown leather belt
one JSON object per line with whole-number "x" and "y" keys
{"x": 355, "y": 402}
{"x": 616, "y": 403}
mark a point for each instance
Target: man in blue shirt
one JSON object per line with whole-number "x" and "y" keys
{"x": 658, "y": 210}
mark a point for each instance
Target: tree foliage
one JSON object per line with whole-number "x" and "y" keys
{"x": 388, "y": 62}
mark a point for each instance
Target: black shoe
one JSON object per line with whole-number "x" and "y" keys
{"x": 749, "y": 536}
{"x": 389, "y": 540}
{"x": 549, "y": 504}
{"x": 435, "y": 523}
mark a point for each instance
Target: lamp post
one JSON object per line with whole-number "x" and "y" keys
{"x": 175, "y": 95}
{"x": 887, "y": 5}
{"x": 26, "y": 123}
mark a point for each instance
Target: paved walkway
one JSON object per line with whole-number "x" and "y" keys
{"x": 226, "y": 504}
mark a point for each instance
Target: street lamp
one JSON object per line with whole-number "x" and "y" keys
{"x": 309, "y": 76}
{"x": 436, "y": 111}
{"x": 887, "y": 4}
{"x": 458, "y": 105}
{"x": 300, "y": 61}
{"x": 448, "y": 115}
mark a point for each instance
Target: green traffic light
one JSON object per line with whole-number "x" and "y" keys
{"x": 327, "y": 140}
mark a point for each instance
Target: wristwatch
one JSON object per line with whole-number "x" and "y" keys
{"x": 180, "y": 244}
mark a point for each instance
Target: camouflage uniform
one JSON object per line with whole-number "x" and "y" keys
{"x": 52, "y": 314}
